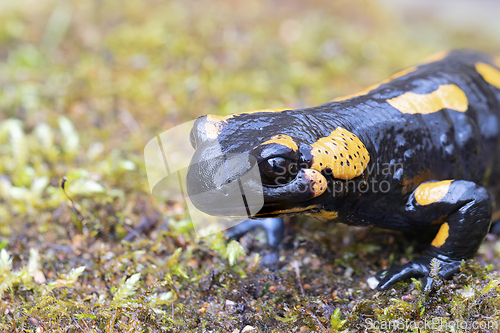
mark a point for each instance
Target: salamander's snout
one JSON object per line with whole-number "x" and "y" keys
{"x": 217, "y": 183}
{"x": 206, "y": 128}
{"x": 197, "y": 136}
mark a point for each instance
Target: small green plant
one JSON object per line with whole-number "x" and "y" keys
{"x": 336, "y": 321}
{"x": 127, "y": 289}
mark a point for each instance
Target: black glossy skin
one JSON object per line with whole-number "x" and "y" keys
{"x": 443, "y": 145}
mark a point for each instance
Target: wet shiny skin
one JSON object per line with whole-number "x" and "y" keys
{"x": 418, "y": 150}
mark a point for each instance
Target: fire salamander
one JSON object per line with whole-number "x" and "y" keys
{"x": 419, "y": 151}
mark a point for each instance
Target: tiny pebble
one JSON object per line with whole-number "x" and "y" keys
{"x": 247, "y": 328}
{"x": 372, "y": 282}
{"x": 348, "y": 272}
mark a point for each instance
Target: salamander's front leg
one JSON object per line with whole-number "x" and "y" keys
{"x": 275, "y": 232}
{"x": 464, "y": 208}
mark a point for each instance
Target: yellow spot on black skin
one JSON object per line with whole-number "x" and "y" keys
{"x": 316, "y": 182}
{"x": 215, "y": 123}
{"x": 291, "y": 210}
{"x": 263, "y": 110}
{"x": 284, "y": 140}
{"x": 437, "y": 56}
{"x": 489, "y": 73}
{"x": 342, "y": 152}
{"x": 324, "y": 215}
{"x": 410, "y": 184}
{"x": 448, "y": 96}
{"x": 375, "y": 86}
{"x": 440, "y": 220}
{"x": 441, "y": 236}
{"x": 429, "y": 193}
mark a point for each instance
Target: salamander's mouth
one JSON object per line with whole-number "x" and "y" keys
{"x": 231, "y": 186}
{"x": 269, "y": 210}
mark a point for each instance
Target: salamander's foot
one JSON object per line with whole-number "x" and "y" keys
{"x": 465, "y": 209}
{"x": 274, "y": 228}
{"x": 418, "y": 268}
{"x": 275, "y": 232}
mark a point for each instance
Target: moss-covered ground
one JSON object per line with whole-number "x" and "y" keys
{"x": 85, "y": 84}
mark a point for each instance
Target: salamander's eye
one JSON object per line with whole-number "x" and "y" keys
{"x": 278, "y": 170}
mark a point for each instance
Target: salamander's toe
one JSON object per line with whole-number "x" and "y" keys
{"x": 418, "y": 268}
{"x": 275, "y": 232}
{"x": 274, "y": 227}
{"x": 396, "y": 274}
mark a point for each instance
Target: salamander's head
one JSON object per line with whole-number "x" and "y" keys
{"x": 271, "y": 154}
